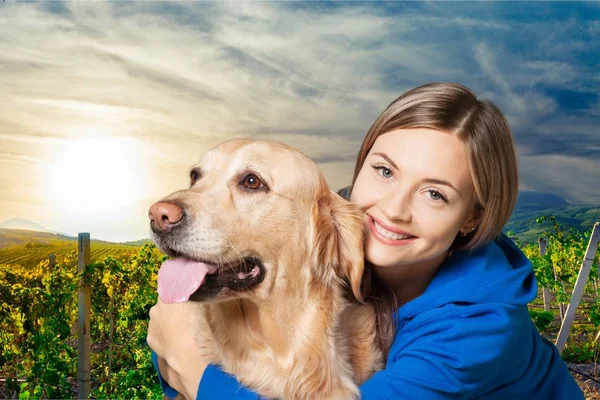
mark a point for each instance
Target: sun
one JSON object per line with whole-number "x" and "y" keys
{"x": 98, "y": 176}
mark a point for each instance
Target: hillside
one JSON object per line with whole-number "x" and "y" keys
{"x": 139, "y": 243}
{"x": 522, "y": 222}
{"x": 531, "y": 205}
{"x": 28, "y": 248}
{"x": 23, "y": 224}
{"x": 10, "y": 237}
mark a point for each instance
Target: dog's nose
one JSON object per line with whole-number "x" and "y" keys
{"x": 163, "y": 216}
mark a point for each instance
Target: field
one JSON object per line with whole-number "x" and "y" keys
{"x": 38, "y": 313}
{"x": 29, "y": 248}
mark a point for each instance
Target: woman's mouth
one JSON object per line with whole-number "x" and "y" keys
{"x": 386, "y": 236}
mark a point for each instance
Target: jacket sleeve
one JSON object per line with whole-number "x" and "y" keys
{"x": 450, "y": 357}
{"x": 215, "y": 383}
{"x": 167, "y": 390}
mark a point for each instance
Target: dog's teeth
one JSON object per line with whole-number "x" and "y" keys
{"x": 252, "y": 274}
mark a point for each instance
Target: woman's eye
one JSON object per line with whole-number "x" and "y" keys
{"x": 251, "y": 181}
{"x": 385, "y": 172}
{"x": 435, "y": 195}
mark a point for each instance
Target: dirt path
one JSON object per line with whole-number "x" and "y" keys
{"x": 590, "y": 388}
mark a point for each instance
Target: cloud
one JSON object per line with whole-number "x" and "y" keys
{"x": 20, "y": 158}
{"x": 549, "y": 104}
{"x": 523, "y": 108}
{"x": 551, "y": 72}
{"x": 566, "y": 176}
{"x": 182, "y": 77}
{"x": 38, "y": 138}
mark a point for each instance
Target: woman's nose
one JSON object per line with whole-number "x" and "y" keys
{"x": 396, "y": 206}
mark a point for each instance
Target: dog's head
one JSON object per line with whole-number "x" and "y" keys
{"x": 258, "y": 220}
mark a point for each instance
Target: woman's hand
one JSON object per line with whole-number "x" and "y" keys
{"x": 170, "y": 335}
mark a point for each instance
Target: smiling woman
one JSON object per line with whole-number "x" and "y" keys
{"x": 97, "y": 176}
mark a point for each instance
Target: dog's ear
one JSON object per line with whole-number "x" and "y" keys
{"x": 338, "y": 235}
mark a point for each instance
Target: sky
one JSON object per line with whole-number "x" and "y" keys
{"x": 104, "y": 106}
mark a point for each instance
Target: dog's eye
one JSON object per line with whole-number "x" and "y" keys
{"x": 194, "y": 176}
{"x": 251, "y": 181}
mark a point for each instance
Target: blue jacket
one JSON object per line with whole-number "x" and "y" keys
{"x": 469, "y": 335}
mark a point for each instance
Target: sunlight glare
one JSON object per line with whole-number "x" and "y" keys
{"x": 98, "y": 176}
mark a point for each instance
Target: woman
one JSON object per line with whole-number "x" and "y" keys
{"x": 437, "y": 179}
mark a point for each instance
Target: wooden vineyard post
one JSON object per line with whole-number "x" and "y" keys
{"x": 598, "y": 335}
{"x": 582, "y": 278}
{"x": 110, "y": 345}
{"x": 84, "y": 370}
{"x": 546, "y": 293}
{"x": 52, "y": 262}
{"x": 561, "y": 306}
{"x": 543, "y": 245}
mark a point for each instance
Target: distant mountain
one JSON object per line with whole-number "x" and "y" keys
{"x": 579, "y": 217}
{"x": 531, "y": 205}
{"x": 23, "y": 224}
{"x": 532, "y": 201}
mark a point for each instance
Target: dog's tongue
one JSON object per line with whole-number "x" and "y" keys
{"x": 180, "y": 277}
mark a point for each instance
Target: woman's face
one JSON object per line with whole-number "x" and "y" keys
{"x": 416, "y": 190}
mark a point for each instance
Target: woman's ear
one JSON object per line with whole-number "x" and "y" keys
{"x": 472, "y": 221}
{"x": 338, "y": 240}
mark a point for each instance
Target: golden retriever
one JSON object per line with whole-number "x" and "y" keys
{"x": 272, "y": 261}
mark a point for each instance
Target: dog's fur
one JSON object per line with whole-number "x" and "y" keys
{"x": 304, "y": 331}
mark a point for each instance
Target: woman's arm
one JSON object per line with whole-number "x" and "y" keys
{"x": 170, "y": 337}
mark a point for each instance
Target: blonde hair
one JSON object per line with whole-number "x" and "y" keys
{"x": 451, "y": 108}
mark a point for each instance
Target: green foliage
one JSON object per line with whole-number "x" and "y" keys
{"x": 38, "y": 325}
{"x": 558, "y": 270}
{"x": 541, "y": 319}
{"x": 581, "y": 353}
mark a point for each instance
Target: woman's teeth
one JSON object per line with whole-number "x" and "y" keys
{"x": 387, "y": 234}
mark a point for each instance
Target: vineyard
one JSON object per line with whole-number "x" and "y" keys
{"x": 557, "y": 271}
{"x": 28, "y": 249}
{"x": 38, "y": 314}
{"x": 38, "y": 326}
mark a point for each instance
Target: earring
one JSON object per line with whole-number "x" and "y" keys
{"x": 465, "y": 233}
